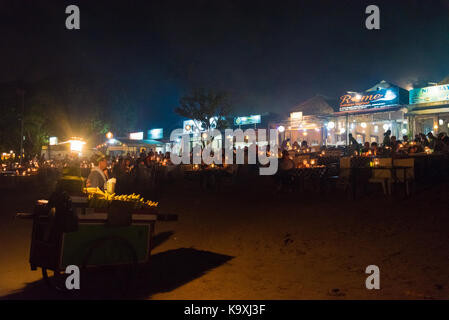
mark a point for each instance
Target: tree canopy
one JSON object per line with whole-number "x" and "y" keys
{"x": 62, "y": 107}
{"x": 203, "y": 105}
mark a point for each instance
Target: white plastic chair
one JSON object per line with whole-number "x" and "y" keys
{"x": 383, "y": 176}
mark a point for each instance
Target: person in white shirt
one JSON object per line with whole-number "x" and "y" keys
{"x": 97, "y": 178}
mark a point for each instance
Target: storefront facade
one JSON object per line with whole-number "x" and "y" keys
{"x": 299, "y": 128}
{"x": 368, "y": 115}
{"x": 367, "y": 126}
{"x": 428, "y": 109}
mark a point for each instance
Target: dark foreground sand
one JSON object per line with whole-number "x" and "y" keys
{"x": 248, "y": 243}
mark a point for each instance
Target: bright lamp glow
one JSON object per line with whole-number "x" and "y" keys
{"x": 331, "y": 125}
{"x": 404, "y": 131}
{"x": 281, "y": 129}
{"x": 342, "y": 130}
{"x": 109, "y": 135}
{"x": 363, "y": 124}
{"x": 53, "y": 141}
{"x": 385, "y": 126}
{"x": 440, "y": 122}
{"x": 76, "y": 145}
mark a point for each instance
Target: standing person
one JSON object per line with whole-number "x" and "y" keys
{"x": 352, "y": 140}
{"x": 432, "y": 140}
{"x": 97, "y": 178}
{"x": 387, "y": 139}
{"x": 353, "y": 144}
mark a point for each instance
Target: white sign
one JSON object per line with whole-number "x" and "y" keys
{"x": 296, "y": 115}
{"x": 136, "y": 136}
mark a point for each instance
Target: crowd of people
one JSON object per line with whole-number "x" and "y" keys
{"x": 390, "y": 144}
{"x": 136, "y": 169}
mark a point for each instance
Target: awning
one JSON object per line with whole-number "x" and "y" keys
{"x": 428, "y": 109}
{"x": 130, "y": 142}
{"x": 365, "y": 111}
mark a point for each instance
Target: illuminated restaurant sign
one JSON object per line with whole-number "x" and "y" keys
{"x": 136, "y": 136}
{"x": 239, "y": 121}
{"x": 369, "y": 100}
{"x": 429, "y": 94}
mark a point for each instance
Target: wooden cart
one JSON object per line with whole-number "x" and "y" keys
{"x": 98, "y": 241}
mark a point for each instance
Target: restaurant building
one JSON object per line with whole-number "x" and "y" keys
{"x": 307, "y": 121}
{"x": 134, "y": 143}
{"x": 369, "y": 114}
{"x": 322, "y": 121}
{"x": 428, "y": 109}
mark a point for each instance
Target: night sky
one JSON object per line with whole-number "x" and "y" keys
{"x": 270, "y": 55}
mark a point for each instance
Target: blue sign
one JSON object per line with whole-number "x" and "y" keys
{"x": 155, "y": 133}
{"x": 247, "y": 120}
{"x": 369, "y": 99}
{"x": 429, "y": 94}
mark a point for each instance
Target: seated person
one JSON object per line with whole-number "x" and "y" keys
{"x": 366, "y": 147}
{"x": 285, "y": 163}
{"x": 304, "y": 145}
{"x": 374, "y": 147}
{"x": 296, "y": 146}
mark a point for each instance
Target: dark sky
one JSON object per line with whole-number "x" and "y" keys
{"x": 270, "y": 55}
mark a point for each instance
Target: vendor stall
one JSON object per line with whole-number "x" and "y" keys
{"x": 90, "y": 229}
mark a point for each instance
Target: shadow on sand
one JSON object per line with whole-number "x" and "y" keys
{"x": 165, "y": 272}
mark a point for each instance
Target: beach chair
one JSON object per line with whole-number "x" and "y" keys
{"x": 383, "y": 176}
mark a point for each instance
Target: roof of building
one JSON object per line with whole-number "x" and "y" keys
{"x": 317, "y": 104}
{"x": 444, "y": 81}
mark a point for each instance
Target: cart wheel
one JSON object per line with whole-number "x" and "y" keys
{"x": 123, "y": 274}
{"x": 55, "y": 279}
